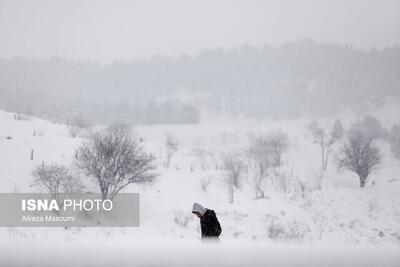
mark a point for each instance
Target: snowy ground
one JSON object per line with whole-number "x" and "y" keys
{"x": 180, "y": 253}
{"x": 334, "y": 224}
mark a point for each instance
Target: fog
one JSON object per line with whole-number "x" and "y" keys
{"x": 299, "y": 79}
{"x": 281, "y": 118}
{"x": 102, "y": 31}
{"x": 195, "y": 254}
{"x": 180, "y": 61}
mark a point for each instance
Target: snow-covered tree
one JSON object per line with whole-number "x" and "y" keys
{"x": 359, "y": 154}
{"x": 57, "y": 180}
{"x": 115, "y": 158}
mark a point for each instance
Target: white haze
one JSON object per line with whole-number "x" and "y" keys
{"x": 107, "y": 30}
{"x": 210, "y": 80}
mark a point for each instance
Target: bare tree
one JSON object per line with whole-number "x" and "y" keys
{"x": 171, "y": 145}
{"x": 115, "y": 158}
{"x": 57, "y": 180}
{"x": 234, "y": 168}
{"x": 265, "y": 154}
{"x": 204, "y": 157}
{"x": 278, "y": 143}
{"x": 259, "y": 158}
{"x": 326, "y": 141}
{"x": 359, "y": 155}
{"x": 258, "y": 153}
{"x": 205, "y": 182}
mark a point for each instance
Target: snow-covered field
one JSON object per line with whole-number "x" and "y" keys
{"x": 178, "y": 253}
{"x": 299, "y": 223}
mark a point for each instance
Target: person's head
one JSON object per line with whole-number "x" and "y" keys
{"x": 198, "y": 210}
{"x": 198, "y": 215}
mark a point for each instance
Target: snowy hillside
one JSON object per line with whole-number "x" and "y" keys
{"x": 340, "y": 213}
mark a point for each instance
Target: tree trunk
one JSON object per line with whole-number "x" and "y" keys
{"x": 230, "y": 193}
{"x": 323, "y": 153}
{"x": 326, "y": 159}
{"x": 362, "y": 181}
{"x": 104, "y": 193}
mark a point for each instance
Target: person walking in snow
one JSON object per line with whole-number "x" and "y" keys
{"x": 210, "y": 227}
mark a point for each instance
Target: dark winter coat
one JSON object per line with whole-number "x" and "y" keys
{"x": 210, "y": 226}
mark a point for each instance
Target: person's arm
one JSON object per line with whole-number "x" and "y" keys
{"x": 216, "y": 225}
{"x": 218, "y": 229}
{"x": 203, "y": 227}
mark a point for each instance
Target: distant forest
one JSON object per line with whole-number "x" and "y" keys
{"x": 287, "y": 81}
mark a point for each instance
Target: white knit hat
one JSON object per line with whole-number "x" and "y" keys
{"x": 198, "y": 208}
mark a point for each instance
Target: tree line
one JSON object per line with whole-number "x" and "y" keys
{"x": 287, "y": 81}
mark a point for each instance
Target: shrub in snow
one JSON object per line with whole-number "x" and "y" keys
{"x": 204, "y": 183}
{"x": 21, "y": 117}
{"x": 15, "y": 233}
{"x": 287, "y": 230}
{"x": 205, "y": 157}
{"x": 285, "y": 181}
{"x": 265, "y": 154}
{"x": 234, "y": 167}
{"x": 259, "y": 183}
{"x": 315, "y": 183}
{"x": 359, "y": 154}
{"x": 202, "y": 156}
{"x": 57, "y": 180}
{"x": 115, "y": 158}
{"x": 171, "y": 146}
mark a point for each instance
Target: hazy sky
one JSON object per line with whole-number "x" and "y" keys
{"x": 105, "y": 30}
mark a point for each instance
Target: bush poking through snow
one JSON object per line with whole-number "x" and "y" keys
{"x": 171, "y": 146}
{"x": 204, "y": 183}
{"x": 57, "y": 180}
{"x": 359, "y": 154}
{"x": 115, "y": 159}
{"x": 21, "y": 117}
{"x": 290, "y": 230}
{"x": 234, "y": 168}
{"x": 265, "y": 154}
